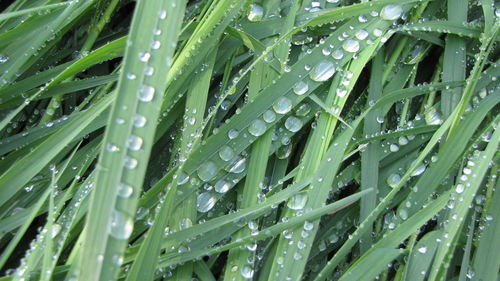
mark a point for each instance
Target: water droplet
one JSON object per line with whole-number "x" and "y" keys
{"x": 3, "y": 58}
{"x": 226, "y": 153}
{"x": 341, "y": 92}
{"x": 56, "y": 228}
{"x": 144, "y": 57}
{"x": 255, "y": 13}
{"x": 247, "y": 272}
{"x": 338, "y": 54}
{"x": 222, "y": 186}
{"x": 207, "y": 171}
{"x": 418, "y": 171}
{"x": 232, "y": 134}
{"x": 205, "y": 202}
{"x": 139, "y": 121}
{"x": 146, "y": 93}
{"x": 163, "y": 14}
{"x": 111, "y": 147}
{"x": 293, "y": 124}
{"x": 134, "y": 143}
{"x": 130, "y": 163}
{"x": 269, "y": 116}
{"x": 284, "y": 151}
{"x": 391, "y": 12}
{"x": 185, "y": 223}
{"x": 403, "y": 140}
{"x": 155, "y": 45}
{"x": 124, "y": 190}
{"x": 298, "y": 201}
{"x": 300, "y": 88}
{"x": 433, "y": 117}
{"x": 361, "y": 34}
{"x": 460, "y": 188}
{"x": 237, "y": 166}
{"x": 149, "y": 71}
{"x": 393, "y": 180}
{"x": 308, "y": 225}
{"x": 283, "y": 105}
{"x": 394, "y": 147}
{"x": 322, "y": 71}
{"x": 422, "y": 250}
{"x": 326, "y": 51}
{"x": 351, "y": 46}
{"x": 121, "y": 225}
{"x": 257, "y": 128}
{"x": 131, "y": 76}
{"x": 303, "y": 109}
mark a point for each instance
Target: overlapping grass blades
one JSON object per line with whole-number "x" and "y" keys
{"x": 249, "y": 140}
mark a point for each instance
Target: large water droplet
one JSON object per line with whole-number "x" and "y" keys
{"x": 393, "y": 180}
{"x": 207, "y": 171}
{"x": 351, "y": 46}
{"x": 293, "y": 124}
{"x": 146, "y": 93}
{"x": 226, "y": 153}
{"x": 322, "y": 71}
{"x": 300, "y": 88}
{"x": 282, "y": 105}
{"x": 222, "y": 186}
{"x": 391, "y": 12}
{"x": 121, "y": 225}
{"x": 237, "y": 166}
{"x": 247, "y": 272}
{"x": 298, "y": 201}
{"x": 257, "y": 128}
{"x": 255, "y": 13}
{"x": 205, "y": 202}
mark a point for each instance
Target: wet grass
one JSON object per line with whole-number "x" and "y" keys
{"x": 240, "y": 140}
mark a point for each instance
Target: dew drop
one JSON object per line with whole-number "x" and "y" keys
{"x": 255, "y": 13}
{"x": 361, "y": 34}
{"x": 222, "y": 186}
{"x": 283, "y": 105}
{"x": 130, "y": 163}
{"x": 460, "y": 188}
{"x": 205, "y": 202}
{"x": 125, "y": 190}
{"x": 131, "y": 76}
{"x": 298, "y": 201}
{"x": 393, "y": 180}
{"x": 418, "y": 171}
{"x": 121, "y": 225}
{"x": 269, "y": 116}
{"x": 232, "y": 134}
{"x": 391, "y": 12}
{"x": 207, "y": 171}
{"x": 247, "y": 272}
{"x": 3, "y": 58}
{"x": 237, "y": 166}
{"x": 226, "y": 153}
{"x": 322, "y": 71}
{"x": 139, "y": 121}
{"x": 257, "y": 128}
{"x": 394, "y": 147}
{"x": 433, "y": 117}
{"x": 351, "y": 46}
{"x": 338, "y": 54}
{"x": 144, "y": 57}
{"x": 422, "y": 250}
{"x": 300, "y": 88}
{"x": 146, "y": 93}
{"x": 293, "y": 124}
{"x": 134, "y": 143}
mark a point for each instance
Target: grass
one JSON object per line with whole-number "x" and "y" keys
{"x": 249, "y": 140}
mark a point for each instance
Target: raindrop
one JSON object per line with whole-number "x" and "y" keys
{"x": 237, "y": 166}
{"x": 207, "y": 171}
{"x": 418, "y": 171}
{"x": 322, "y": 71}
{"x": 433, "y": 117}
{"x": 284, "y": 151}
{"x": 303, "y": 109}
{"x": 130, "y": 163}
{"x": 125, "y": 190}
{"x": 460, "y": 188}
{"x": 232, "y": 134}
{"x": 111, "y": 147}
{"x": 146, "y": 93}
{"x": 222, "y": 186}
{"x": 393, "y": 180}
{"x": 422, "y": 250}
{"x": 403, "y": 140}
{"x": 205, "y": 202}
{"x": 293, "y": 124}
{"x": 144, "y": 57}
{"x": 226, "y": 153}
{"x": 269, "y": 116}
{"x": 185, "y": 223}
{"x": 255, "y": 13}
{"x": 283, "y": 105}
{"x": 394, "y": 147}
{"x": 121, "y": 225}
{"x": 351, "y": 46}
{"x": 391, "y": 12}
{"x": 134, "y": 143}
{"x": 3, "y": 58}
{"x": 155, "y": 45}
{"x": 298, "y": 201}
{"x": 139, "y": 121}
{"x": 300, "y": 88}
{"x": 257, "y": 128}
{"x": 341, "y": 92}
{"x": 338, "y": 54}
{"x": 131, "y": 76}
{"x": 247, "y": 272}
{"x": 361, "y": 34}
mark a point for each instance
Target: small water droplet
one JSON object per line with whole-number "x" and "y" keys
{"x": 338, "y": 54}
{"x": 293, "y": 124}
{"x": 247, "y": 272}
{"x": 269, "y": 116}
{"x": 130, "y": 163}
{"x": 361, "y": 34}
{"x": 232, "y": 134}
{"x": 255, "y": 13}
{"x": 125, "y": 190}
{"x": 298, "y": 201}
{"x": 222, "y": 186}
{"x": 282, "y": 105}
{"x": 121, "y": 225}
{"x": 146, "y": 93}
{"x": 393, "y": 180}
{"x": 257, "y": 128}
{"x": 351, "y": 46}
{"x": 226, "y": 153}
{"x": 391, "y": 12}
{"x": 300, "y": 88}
{"x": 207, "y": 171}
{"x": 144, "y": 57}
{"x": 139, "y": 121}
{"x": 134, "y": 143}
